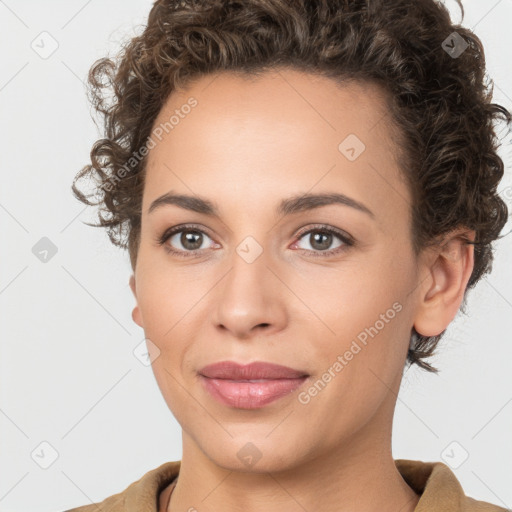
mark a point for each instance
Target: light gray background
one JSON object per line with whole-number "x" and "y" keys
{"x": 68, "y": 373}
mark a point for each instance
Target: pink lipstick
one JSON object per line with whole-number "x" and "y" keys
{"x": 250, "y": 386}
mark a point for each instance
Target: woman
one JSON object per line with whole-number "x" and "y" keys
{"x": 307, "y": 191}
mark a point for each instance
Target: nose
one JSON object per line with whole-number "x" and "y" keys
{"x": 251, "y": 299}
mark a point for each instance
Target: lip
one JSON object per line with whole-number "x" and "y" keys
{"x": 252, "y": 371}
{"x": 250, "y": 386}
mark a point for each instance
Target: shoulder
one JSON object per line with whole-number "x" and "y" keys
{"x": 439, "y": 488}
{"x": 114, "y": 503}
{"x": 140, "y": 496}
{"x": 473, "y": 505}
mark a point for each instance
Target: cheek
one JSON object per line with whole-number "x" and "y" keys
{"x": 368, "y": 317}
{"x": 358, "y": 364}
{"x": 166, "y": 323}
{"x": 165, "y": 296}
{"x": 170, "y": 300}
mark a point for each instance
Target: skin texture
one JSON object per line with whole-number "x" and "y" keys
{"x": 247, "y": 145}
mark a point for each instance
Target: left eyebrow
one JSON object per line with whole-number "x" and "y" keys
{"x": 295, "y": 204}
{"x": 302, "y": 202}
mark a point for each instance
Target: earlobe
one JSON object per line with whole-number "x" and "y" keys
{"x": 136, "y": 315}
{"x": 443, "y": 290}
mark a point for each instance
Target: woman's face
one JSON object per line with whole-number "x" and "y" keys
{"x": 267, "y": 282}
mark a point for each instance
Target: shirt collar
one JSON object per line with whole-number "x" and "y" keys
{"x": 435, "y": 482}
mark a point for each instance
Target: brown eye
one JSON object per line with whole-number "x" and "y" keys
{"x": 321, "y": 240}
{"x": 190, "y": 240}
{"x": 184, "y": 241}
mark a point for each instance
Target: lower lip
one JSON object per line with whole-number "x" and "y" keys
{"x": 247, "y": 394}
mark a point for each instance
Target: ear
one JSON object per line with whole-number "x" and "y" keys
{"x": 136, "y": 315}
{"x": 448, "y": 268}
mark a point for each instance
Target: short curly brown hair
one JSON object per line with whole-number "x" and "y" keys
{"x": 432, "y": 70}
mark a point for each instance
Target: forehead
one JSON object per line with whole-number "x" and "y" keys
{"x": 279, "y": 98}
{"x": 281, "y": 130}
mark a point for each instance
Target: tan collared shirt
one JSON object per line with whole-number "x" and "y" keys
{"x": 435, "y": 482}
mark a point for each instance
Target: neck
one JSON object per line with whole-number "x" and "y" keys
{"x": 363, "y": 478}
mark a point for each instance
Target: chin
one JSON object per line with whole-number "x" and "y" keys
{"x": 253, "y": 454}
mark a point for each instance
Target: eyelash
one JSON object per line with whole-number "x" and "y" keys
{"x": 320, "y": 228}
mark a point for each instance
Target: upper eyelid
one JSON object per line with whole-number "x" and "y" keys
{"x": 324, "y": 227}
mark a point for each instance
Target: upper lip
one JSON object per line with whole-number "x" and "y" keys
{"x": 256, "y": 370}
